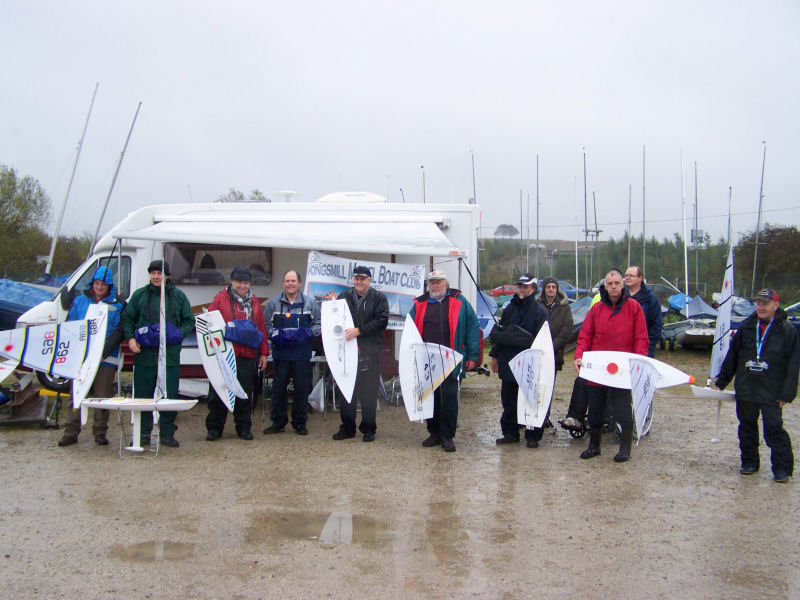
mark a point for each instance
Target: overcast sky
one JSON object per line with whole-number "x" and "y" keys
{"x": 319, "y": 97}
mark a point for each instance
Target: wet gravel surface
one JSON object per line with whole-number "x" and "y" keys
{"x": 291, "y": 516}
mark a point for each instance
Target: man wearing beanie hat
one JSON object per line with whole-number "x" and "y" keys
{"x": 138, "y": 319}
{"x": 557, "y": 305}
{"x": 370, "y": 311}
{"x": 293, "y": 321}
{"x": 443, "y": 316}
{"x": 764, "y": 355}
{"x": 242, "y": 313}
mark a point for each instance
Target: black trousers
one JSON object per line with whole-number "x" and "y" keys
{"x": 579, "y": 401}
{"x": 299, "y": 372}
{"x": 621, "y": 401}
{"x": 775, "y": 435}
{"x": 242, "y": 408}
{"x": 445, "y": 409}
{"x": 365, "y": 394}
{"x": 508, "y": 420}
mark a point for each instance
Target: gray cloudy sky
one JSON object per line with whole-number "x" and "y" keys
{"x": 319, "y": 97}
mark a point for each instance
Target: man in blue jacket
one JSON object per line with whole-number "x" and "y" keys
{"x": 292, "y": 324}
{"x": 638, "y": 290}
{"x": 443, "y": 316}
{"x": 99, "y": 289}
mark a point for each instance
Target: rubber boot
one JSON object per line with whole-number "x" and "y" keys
{"x": 594, "y": 443}
{"x": 624, "y": 445}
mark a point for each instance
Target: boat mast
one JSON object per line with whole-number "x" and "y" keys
{"x": 113, "y": 182}
{"x": 644, "y": 237}
{"x": 685, "y": 249}
{"x": 758, "y": 227}
{"x": 537, "y": 217}
{"x": 629, "y": 224}
{"x": 585, "y": 226}
{"x": 49, "y": 264}
{"x": 695, "y": 235}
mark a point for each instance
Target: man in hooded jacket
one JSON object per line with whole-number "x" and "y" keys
{"x": 99, "y": 289}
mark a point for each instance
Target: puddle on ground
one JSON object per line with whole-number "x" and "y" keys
{"x": 331, "y": 529}
{"x": 155, "y": 551}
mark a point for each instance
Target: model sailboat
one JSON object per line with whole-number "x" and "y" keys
{"x": 139, "y": 405}
{"x": 722, "y": 339}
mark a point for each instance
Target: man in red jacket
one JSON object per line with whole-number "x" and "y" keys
{"x": 237, "y": 303}
{"x": 615, "y": 323}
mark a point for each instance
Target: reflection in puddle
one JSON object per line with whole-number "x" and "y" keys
{"x": 331, "y": 529}
{"x": 155, "y": 551}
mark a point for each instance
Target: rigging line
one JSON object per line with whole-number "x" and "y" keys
{"x": 475, "y": 283}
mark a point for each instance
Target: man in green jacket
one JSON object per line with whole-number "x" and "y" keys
{"x": 443, "y": 316}
{"x": 138, "y": 318}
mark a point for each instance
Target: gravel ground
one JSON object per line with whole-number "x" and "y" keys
{"x": 236, "y": 519}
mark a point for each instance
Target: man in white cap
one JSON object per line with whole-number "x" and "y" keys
{"x": 443, "y": 316}
{"x": 764, "y": 355}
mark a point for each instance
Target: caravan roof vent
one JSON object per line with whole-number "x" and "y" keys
{"x": 352, "y": 197}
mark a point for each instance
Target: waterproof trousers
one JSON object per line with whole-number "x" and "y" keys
{"x": 445, "y": 409}
{"x": 775, "y": 435}
{"x": 144, "y": 384}
{"x": 299, "y": 372}
{"x": 102, "y": 387}
{"x": 242, "y": 408}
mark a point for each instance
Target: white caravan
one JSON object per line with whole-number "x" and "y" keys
{"x": 203, "y": 242}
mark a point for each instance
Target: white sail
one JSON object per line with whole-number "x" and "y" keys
{"x": 722, "y": 332}
{"x": 58, "y": 350}
{"x": 535, "y": 372}
{"x": 228, "y": 374}
{"x": 161, "y": 379}
{"x": 97, "y": 315}
{"x": 643, "y": 378}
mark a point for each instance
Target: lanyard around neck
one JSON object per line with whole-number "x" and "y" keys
{"x": 760, "y": 338}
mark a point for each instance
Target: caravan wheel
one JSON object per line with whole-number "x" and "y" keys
{"x": 57, "y": 384}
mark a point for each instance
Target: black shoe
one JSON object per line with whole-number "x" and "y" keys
{"x": 507, "y": 439}
{"x": 67, "y": 441}
{"x": 100, "y": 439}
{"x": 448, "y": 445}
{"x": 748, "y": 469}
{"x": 301, "y": 431}
{"x": 144, "y": 440}
{"x": 170, "y": 442}
{"x": 594, "y": 443}
{"x": 433, "y": 439}
{"x": 343, "y": 434}
{"x": 532, "y": 443}
{"x": 369, "y": 437}
{"x": 245, "y": 435}
{"x": 781, "y": 477}
{"x": 273, "y": 429}
{"x": 212, "y": 436}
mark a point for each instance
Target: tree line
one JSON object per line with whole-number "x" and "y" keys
{"x": 502, "y": 260}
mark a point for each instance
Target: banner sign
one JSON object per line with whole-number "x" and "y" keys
{"x": 327, "y": 276}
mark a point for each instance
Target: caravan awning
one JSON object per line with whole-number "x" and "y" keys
{"x": 381, "y": 237}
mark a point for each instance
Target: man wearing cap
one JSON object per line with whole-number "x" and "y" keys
{"x": 99, "y": 289}
{"x": 138, "y": 319}
{"x": 638, "y": 290}
{"x": 370, "y": 311}
{"x": 525, "y": 312}
{"x": 245, "y": 329}
{"x": 615, "y": 323}
{"x": 443, "y": 316}
{"x": 292, "y": 324}
{"x": 764, "y": 355}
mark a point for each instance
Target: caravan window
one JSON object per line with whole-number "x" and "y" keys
{"x": 205, "y": 264}
{"x": 122, "y": 284}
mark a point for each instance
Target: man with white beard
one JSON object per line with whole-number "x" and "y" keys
{"x": 443, "y": 316}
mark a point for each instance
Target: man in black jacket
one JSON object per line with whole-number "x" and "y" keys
{"x": 651, "y": 305}
{"x": 370, "y": 311}
{"x": 765, "y": 357}
{"x": 529, "y": 314}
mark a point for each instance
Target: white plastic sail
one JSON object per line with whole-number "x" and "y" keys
{"x": 97, "y": 316}
{"x": 231, "y": 382}
{"x": 722, "y": 340}
{"x": 423, "y": 367}
{"x": 535, "y": 372}
{"x": 643, "y": 378}
{"x": 161, "y": 379}
{"x": 58, "y": 350}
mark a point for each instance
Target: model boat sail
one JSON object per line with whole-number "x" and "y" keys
{"x": 139, "y": 405}
{"x": 535, "y": 372}
{"x": 722, "y": 340}
{"x": 422, "y": 368}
